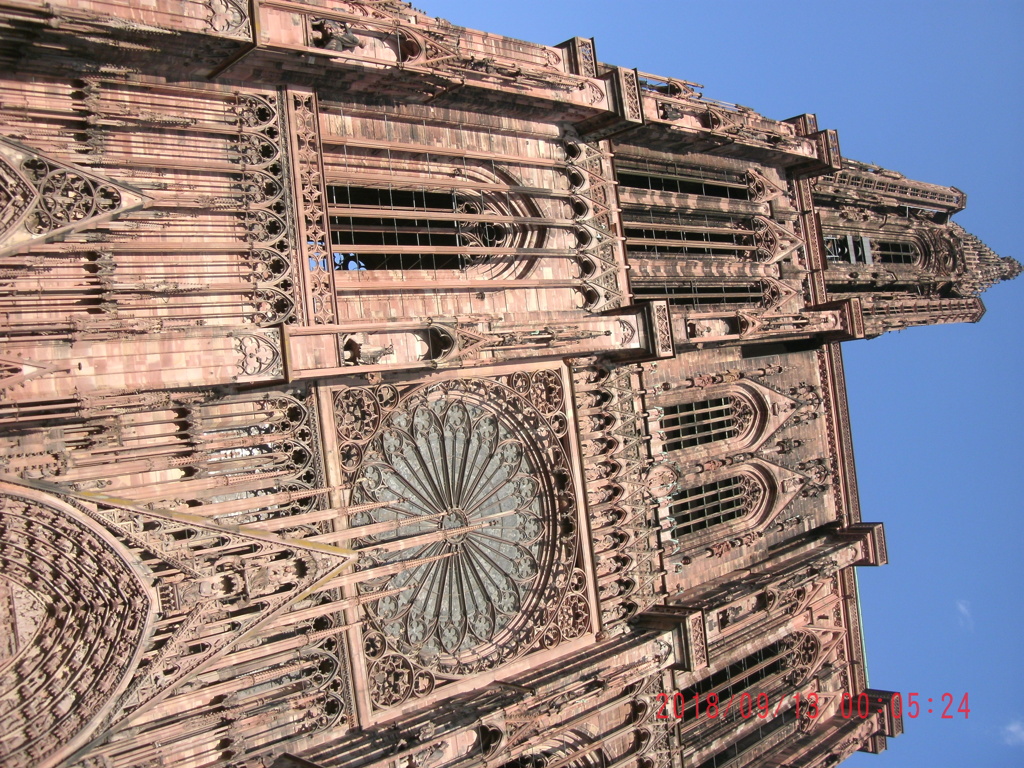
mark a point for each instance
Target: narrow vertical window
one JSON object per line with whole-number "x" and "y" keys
{"x": 384, "y": 228}
{"x": 697, "y": 294}
{"x": 688, "y": 425}
{"x": 692, "y": 424}
{"x": 699, "y": 508}
{"x": 734, "y": 754}
{"x": 683, "y": 179}
{"x": 689, "y": 235}
{"x": 745, "y": 675}
{"x": 889, "y": 252}
{"x": 847, "y": 249}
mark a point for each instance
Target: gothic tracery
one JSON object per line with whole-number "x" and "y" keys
{"x": 470, "y": 493}
{"x": 379, "y": 393}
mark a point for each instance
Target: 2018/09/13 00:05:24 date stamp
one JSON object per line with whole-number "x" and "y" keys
{"x": 763, "y": 706}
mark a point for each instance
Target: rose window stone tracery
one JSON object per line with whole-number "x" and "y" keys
{"x": 475, "y": 529}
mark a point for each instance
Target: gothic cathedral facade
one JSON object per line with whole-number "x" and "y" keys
{"x": 379, "y": 393}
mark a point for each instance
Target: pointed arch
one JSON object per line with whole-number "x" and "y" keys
{"x": 745, "y": 495}
{"x": 731, "y": 418}
{"x": 82, "y": 615}
{"x": 45, "y": 199}
{"x": 449, "y": 214}
{"x": 754, "y": 673}
{"x": 881, "y": 248}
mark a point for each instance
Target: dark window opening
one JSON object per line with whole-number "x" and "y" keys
{"x": 682, "y": 186}
{"x": 492, "y": 235}
{"x": 390, "y": 221}
{"x": 741, "y": 676}
{"x": 386, "y": 197}
{"x": 692, "y": 293}
{"x": 728, "y": 756}
{"x": 357, "y": 262}
{"x": 692, "y": 424}
{"x": 839, "y": 289}
{"x": 690, "y": 243}
{"x": 779, "y": 348}
{"x": 696, "y": 509}
{"x": 436, "y": 344}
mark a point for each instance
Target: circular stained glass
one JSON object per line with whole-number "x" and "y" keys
{"x": 467, "y": 473}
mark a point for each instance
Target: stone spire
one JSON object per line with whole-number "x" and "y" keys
{"x": 983, "y": 266}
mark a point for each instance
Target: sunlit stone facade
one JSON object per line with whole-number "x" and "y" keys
{"x": 380, "y": 393}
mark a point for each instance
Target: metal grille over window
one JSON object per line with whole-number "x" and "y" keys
{"x": 684, "y": 180}
{"x": 696, "y": 509}
{"x": 734, "y": 754}
{"x": 747, "y": 675}
{"x": 692, "y": 293}
{"x": 689, "y": 235}
{"x": 688, "y": 425}
{"x": 402, "y": 229}
{"x": 850, "y": 249}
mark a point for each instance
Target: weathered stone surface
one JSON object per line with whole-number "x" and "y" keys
{"x": 377, "y": 392}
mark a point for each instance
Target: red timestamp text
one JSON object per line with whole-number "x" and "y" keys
{"x": 744, "y": 705}
{"x": 763, "y": 706}
{"x": 912, "y": 707}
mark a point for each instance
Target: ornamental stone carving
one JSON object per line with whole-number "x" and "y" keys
{"x": 81, "y": 615}
{"x": 42, "y": 198}
{"x": 266, "y": 209}
{"x": 474, "y": 527}
{"x": 260, "y": 354}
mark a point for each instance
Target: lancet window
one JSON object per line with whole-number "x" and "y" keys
{"x": 683, "y": 179}
{"x": 846, "y": 248}
{"x": 764, "y": 670}
{"x": 700, "y": 293}
{"x": 385, "y": 228}
{"x": 732, "y": 755}
{"x": 852, "y": 249}
{"x": 688, "y": 425}
{"x": 747, "y": 675}
{"x": 689, "y": 235}
{"x": 262, "y": 437}
{"x": 701, "y": 507}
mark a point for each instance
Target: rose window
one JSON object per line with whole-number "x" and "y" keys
{"x": 475, "y": 531}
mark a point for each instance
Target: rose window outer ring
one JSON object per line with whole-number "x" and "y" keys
{"x": 495, "y": 569}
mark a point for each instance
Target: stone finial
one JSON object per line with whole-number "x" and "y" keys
{"x": 984, "y": 267}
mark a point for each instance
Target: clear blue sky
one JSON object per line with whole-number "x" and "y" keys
{"x": 933, "y": 90}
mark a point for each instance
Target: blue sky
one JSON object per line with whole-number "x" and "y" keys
{"x": 933, "y": 90}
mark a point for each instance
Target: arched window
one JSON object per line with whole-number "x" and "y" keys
{"x": 416, "y": 224}
{"x": 736, "y": 752}
{"x": 748, "y": 674}
{"x": 688, "y": 425}
{"x": 683, "y": 179}
{"x": 699, "y": 508}
{"x": 432, "y": 344}
{"x": 767, "y": 670}
{"x": 386, "y": 228}
{"x": 853, "y": 249}
{"x": 889, "y": 252}
{"x": 703, "y": 293}
{"x": 673, "y": 232}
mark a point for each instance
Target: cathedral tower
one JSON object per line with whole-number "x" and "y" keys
{"x": 380, "y": 393}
